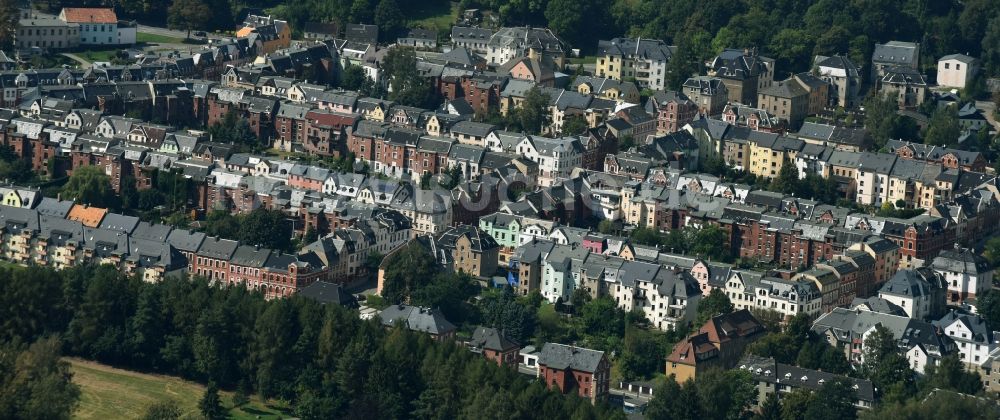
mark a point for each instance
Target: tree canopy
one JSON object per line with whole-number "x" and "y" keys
{"x": 322, "y": 359}
{"x": 90, "y": 185}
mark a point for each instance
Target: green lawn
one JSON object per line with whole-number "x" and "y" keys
{"x": 436, "y": 15}
{"x": 105, "y": 54}
{"x": 109, "y": 393}
{"x": 587, "y": 59}
{"x": 157, "y": 39}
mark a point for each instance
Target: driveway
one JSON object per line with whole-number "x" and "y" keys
{"x": 83, "y": 63}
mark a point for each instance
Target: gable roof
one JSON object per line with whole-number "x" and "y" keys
{"x": 89, "y": 15}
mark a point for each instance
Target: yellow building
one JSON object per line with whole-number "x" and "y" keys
{"x": 769, "y": 152}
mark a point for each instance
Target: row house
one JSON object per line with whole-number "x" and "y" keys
{"x": 673, "y": 111}
{"x": 379, "y": 231}
{"x": 644, "y": 60}
{"x": 749, "y": 290}
{"x": 556, "y": 158}
{"x": 922, "y": 343}
{"x": 325, "y": 132}
{"x": 947, "y": 157}
{"x": 919, "y": 238}
{"x": 290, "y": 125}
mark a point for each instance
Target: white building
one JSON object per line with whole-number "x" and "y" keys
{"x": 668, "y": 297}
{"x": 973, "y": 338}
{"x": 561, "y": 273}
{"x": 915, "y": 292}
{"x": 556, "y": 158}
{"x": 788, "y": 297}
{"x": 872, "y": 177}
{"x": 510, "y": 43}
{"x": 968, "y": 275}
{"x": 98, "y": 26}
{"x": 956, "y": 70}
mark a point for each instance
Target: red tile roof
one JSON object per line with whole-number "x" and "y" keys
{"x": 89, "y": 15}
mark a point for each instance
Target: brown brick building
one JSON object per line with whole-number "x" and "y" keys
{"x": 567, "y": 368}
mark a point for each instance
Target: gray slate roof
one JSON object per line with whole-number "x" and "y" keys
{"x": 561, "y": 356}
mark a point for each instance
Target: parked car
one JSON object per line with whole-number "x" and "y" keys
{"x": 200, "y": 34}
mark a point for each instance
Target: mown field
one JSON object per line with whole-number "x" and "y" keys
{"x": 110, "y": 393}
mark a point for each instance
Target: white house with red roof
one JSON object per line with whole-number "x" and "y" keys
{"x": 99, "y": 25}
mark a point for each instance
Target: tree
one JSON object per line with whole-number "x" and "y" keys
{"x": 532, "y": 116}
{"x": 833, "y": 401}
{"x": 406, "y": 85}
{"x": 188, "y": 15}
{"x": 503, "y": 311}
{"x": 353, "y": 77}
{"x": 606, "y": 226}
{"x": 881, "y": 119}
{"x": 988, "y": 306}
{"x": 682, "y": 65}
{"x": 602, "y": 317}
{"x": 9, "y": 15}
{"x": 642, "y": 353}
{"x": 266, "y": 228}
{"x": 35, "y": 383}
{"x": 884, "y": 364}
{"x": 574, "y": 125}
{"x": 716, "y": 303}
{"x": 210, "y": 404}
{"x": 991, "y": 46}
{"x": 938, "y": 405}
{"x": 407, "y": 270}
{"x": 389, "y": 19}
{"x": 89, "y": 185}
{"x": 787, "y": 181}
{"x": 235, "y": 130}
{"x": 943, "y": 128}
{"x": 770, "y": 409}
{"x": 726, "y": 394}
{"x": 951, "y": 374}
{"x": 163, "y": 410}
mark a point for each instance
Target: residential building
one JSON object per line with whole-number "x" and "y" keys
{"x": 717, "y": 344}
{"x": 418, "y": 319}
{"x": 45, "y": 33}
{"x": 644, "y": 60}
{"x": 772, "y": 377}
{"x": 787, "y": 100}
{"x": 556, "y": 158}
{"x": 922, "y": 343}
{"x": 894, "y": 54}
{"x": 956, "y": 70}
{"x": 967, "y": 274}
{"x": 710, "y": 94}
{"x": 886, "y": 254}
{"x": 907, "y": 86}
{"x": 524, "y": 41}
{"x": 919, "y": 292}
{"x": 97, "y": 26}
{"x": 844, "y": 79}
{"x": 744, "y": 73}
{"x": 419, "y": 38}
{"x": 974, "y": 339}
{"x": 673, "y": 110}
{"x": 473, "y": 251}
{"x": 786, "y": 297}
{"x": 495, "y": 346}
{"x": 568, "y": 368}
